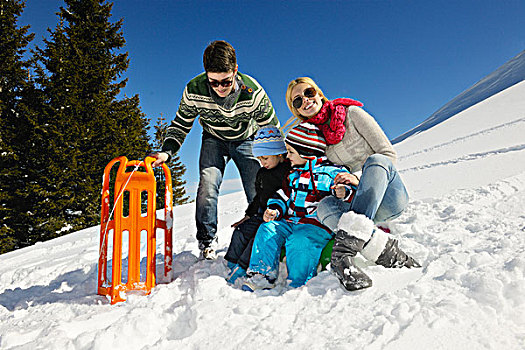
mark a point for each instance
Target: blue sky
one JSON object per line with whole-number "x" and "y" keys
{"x": 402, "y": 59}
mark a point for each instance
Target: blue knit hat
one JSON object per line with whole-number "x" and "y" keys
{"x": 268, "y": 142}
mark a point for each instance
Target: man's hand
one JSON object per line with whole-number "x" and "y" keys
{"x": 160, "y": 157}
{"x": 269, "y": 215}
{"x": 347, "y": 179}
{"x": 340, "y": 191}
{"x": 240, "y": 221}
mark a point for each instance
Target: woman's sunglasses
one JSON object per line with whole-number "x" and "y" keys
{"x": 308, "y": 92}
{"x": 224, "y": 83}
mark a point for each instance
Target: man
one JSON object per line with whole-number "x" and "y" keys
{"x": 232, "y": 106}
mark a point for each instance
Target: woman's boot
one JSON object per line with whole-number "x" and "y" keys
{"x": 393, "y": 256}
{"x": 357, "y": 234}
{"x": 345, "y": 249}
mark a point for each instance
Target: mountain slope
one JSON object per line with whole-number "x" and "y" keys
{"x": 482, "y": 144}
{"x": 504, "y": 77}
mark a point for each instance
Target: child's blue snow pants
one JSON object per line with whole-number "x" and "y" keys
{"x": 303, "y": 243}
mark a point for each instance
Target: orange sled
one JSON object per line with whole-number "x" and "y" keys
{"x": 139, "y": 188}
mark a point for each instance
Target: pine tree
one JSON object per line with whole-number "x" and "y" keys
{"x": 15, "y": 87}
{"x": 176, "y": 167}
{"x": 82, "y": 123}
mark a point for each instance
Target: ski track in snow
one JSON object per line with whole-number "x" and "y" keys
{"x": 484, "y": 132}
{"x": 471, "y": 244}
{"x": 466, "y": 158}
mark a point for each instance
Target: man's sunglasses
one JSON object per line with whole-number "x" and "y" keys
{"x": 308, "y": 92}
{"x": 224, "y": 83}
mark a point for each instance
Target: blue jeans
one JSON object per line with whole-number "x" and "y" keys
{"x": 214, "y": 156}
{"x": 380, "y": 196}
{"x": 303, "y": 242}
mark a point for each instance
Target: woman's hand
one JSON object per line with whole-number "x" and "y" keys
{"x": 340, "y": 190}
{"x": 346, "y": 178}
{"x": 269, "y": 215}
{"x": 160, "y": 157}
{"x": 246, "y": 217}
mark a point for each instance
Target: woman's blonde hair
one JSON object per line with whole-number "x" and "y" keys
{"x": 291, "y": 85}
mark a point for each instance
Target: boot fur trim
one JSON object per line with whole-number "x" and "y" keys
{"x": 356, "y": 225}
{"x": 376, "y": 245}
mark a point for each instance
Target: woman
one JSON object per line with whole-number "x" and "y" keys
{"x": 356, "y": 141}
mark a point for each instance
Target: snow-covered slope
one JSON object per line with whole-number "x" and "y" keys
{"x": 465, "y": 223}
{"x": 504, "y": 77}
{"x": 482, "y": 144}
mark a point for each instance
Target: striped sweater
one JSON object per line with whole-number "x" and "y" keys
{"x": 297, "y": 202}
{"x": 252, "y": 108}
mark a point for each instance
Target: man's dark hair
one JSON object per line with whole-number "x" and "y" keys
{"x": 219, "y": 57}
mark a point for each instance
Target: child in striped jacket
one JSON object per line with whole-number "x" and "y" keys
{"x": 290, "y": 219}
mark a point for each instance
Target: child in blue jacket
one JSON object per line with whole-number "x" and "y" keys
{"x": 270, "y": 150}
{"x": 290, "y": 219}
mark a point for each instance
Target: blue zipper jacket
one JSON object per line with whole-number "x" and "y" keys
{"x": 305, "y": 187}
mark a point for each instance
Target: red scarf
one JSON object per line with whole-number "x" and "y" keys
{"x": 331, "y": 119}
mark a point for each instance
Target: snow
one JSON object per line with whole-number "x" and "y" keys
{"x": 465, "y": 223}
